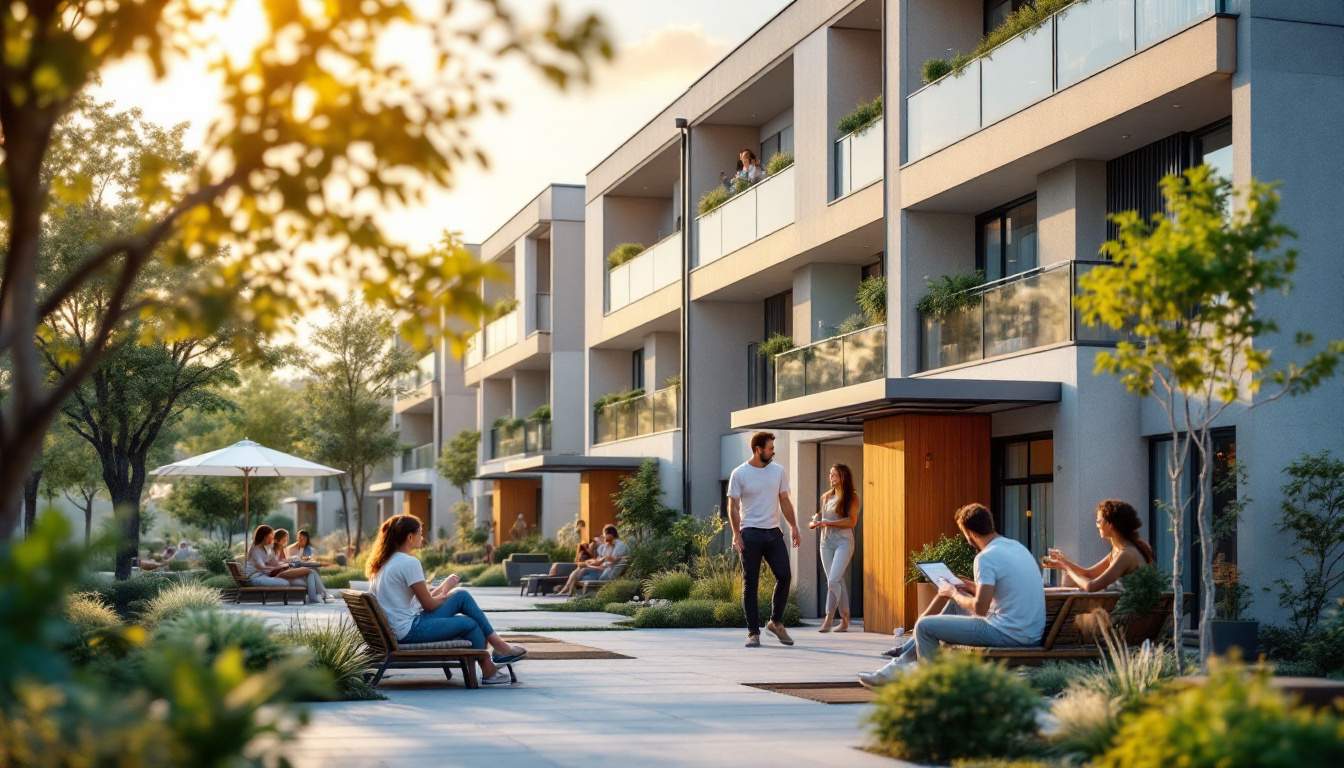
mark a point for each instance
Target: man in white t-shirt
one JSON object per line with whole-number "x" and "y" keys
{"x": 1004, "y": 606}
{"x": 758, "y": 495}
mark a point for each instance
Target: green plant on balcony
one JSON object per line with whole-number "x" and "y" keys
{"x": 855, "y": 322}
{"x": 507, "y": 425}
{"x": 611, "y": 398}
{"x": 777, "y": 344}
{"x": 713, "y": 199}
{"x": 1025, "y": 18}
{"x": 951, "y": 293}
{"x": 542, "y": 413}
{"x": 862, "y": 116}
{"x": 779, "y": 162}
{"x": 672, "y": 381}
{"x": 505, "y": 306}
{"x": 740, "y": 184}
{"x": 623, "y": 253}
{"x": 871, "y": 297}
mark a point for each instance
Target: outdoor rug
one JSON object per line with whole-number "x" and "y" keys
{"x": 540, "y": 647}
{"x": 826, "y": 693}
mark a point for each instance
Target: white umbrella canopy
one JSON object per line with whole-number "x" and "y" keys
{"x": 245, "y": 459}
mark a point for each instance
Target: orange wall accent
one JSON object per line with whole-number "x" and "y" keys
{"x": 510, "y": 498}
{"x": 917, "y": 469}
{"x": 596, "y": 509}
{"x": 305, "y": 517}
{"x": 416, "y": 504}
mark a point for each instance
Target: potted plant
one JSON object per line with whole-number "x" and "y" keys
{"x": 1231, "y": 628}
{"x": 956, "y": 551}
{"x": 862, "y": 116}
{"x": 871, "y": 297}
{"x": 623, "y": 253}
{"x": 542, "y": 413}
{"x": 943, "y": 308}
{"x": 780, "y": 161}
{"x": 1136, "y": 610}
{"x": 712, "y": 199}
{"x": 777, "y": 344}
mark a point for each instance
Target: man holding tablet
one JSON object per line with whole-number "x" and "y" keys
{"x": 1003, "y": 606}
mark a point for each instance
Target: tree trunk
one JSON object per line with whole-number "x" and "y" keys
{"x": 30, "y": 487}
{"x": 1175, "y": 469}
{"x": 359, "y": 514}
{"x": 1206, "y": 547}
{"x": 126, "y": 506}
{"x": 345, "y": 510}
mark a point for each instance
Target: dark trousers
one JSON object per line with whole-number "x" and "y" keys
{"x": 767, "y": 543}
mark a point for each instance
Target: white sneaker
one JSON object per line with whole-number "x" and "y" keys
{"x": 893, "y": 669}
{"x": 501, "y": 677}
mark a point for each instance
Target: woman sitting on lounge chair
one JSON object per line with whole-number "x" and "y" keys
{"x": 1117, "y": 523}
{"x": 418, "y": 614}
{"x": 585, "y": 553}
{"x": 280, "y": 556}
{"x": 263, "y": 569}
{"x": 609, "y": 553}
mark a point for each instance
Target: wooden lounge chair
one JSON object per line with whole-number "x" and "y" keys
{"x": 445, "y": 654}
{"x": 242, "y": 586}
{"x": 545, "y": 584}
{"x": 1072, "y": 632}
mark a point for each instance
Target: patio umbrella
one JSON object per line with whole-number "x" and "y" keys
{"x": 245, "y": 459}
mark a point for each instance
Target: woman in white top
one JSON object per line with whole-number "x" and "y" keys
{"x": 263, "y": 569}
{"x": 839, "y": 514}
{"x": 418, "y": 614}
{"x": 751, "y": 167}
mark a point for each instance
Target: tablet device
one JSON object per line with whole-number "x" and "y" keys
{"x": 937, "y": 572}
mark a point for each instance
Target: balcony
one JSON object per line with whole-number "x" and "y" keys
{"x": 858, "y": 158}
{"x": 473, "y": 353}
{"x": 531, "y": 436}
{"x": 502, "y": 333}
{"x": 645, "y": 415}
{"x": 542, "y": 308}
{"x": 1031, "y": 310}
{"x": 747, "y": 217}
{"x": 656, "y": 267}
{"x": 1070, "y": 46}
{"x": 415, "y": 390}
{"x": 419, "y": 457}
{"x": 839, "y": 361}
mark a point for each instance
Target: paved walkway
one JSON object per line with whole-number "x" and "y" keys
{"x": 679, "y": 701}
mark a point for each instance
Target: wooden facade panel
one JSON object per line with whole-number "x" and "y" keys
{"x": 416, "y": 504}
{"x": 918, "y": 469}
{"x": 596, "y": 507}
{"x": 510, "y": 498}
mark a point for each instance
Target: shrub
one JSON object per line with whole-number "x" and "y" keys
{"x": 213, "y": 556}
{"x": 1236, "y": 718}
{"x": 533, "y": 543}
{"x": 1141, "y": 591}
{"x": 668, "y": 585}
{"x": 653, "y": 617}
{"x": 953, "y": 550}
{"x": 1052, "y": 677}
{"x": 91, "y": 621}
{"x": 862, "y": 116}
{"x": 1313, "y": 515}
{"x": 624, "y": 609}
{"x": 716, "y": 586}
{"x": 871, "y": 297}
{"x": 492, "y": 576}
{"x": 179, "y": 599}
{"x": 911, "y": 715}
{"x": 440, "y": 553}
{"x": 469, "y": 572}
{"x": 177, "y": 566}
{"x": 218, "y": 582}
{"x": 576, "y": 605}
{"x": 855, "y": 322}
{"x": 652, "y": 556}
{"x": 780, "y": 161}
{"x": 337, "y": 649}
{"x": 1086, "y": 721}
{"x": 130, "y": 596}
{"x": 740, "y": 185}
{"x": 1324, "y": 648}
{"x": 729, "y": 613}
{"x": 777, "y": 344}
{"x": 693, "y": 613}
{"x": 341, "y": 578}
{"x": 618, "y": 591}
{"x": 281, "y": 521}
{"x": 951, "y": 293}
{"x": 211, "y": 632}
{"x": 932, "y": 69}
{"x": 713, "y": 199}
{"x": 1128, "y": 675}
{"x": 623, "y": 253}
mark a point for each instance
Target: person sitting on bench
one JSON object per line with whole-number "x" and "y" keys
{"x": 418, "y": 614}
{"x": 263, "y": 570}
{"x": 609, "y": 553}
{"x": 1004, "y": 606}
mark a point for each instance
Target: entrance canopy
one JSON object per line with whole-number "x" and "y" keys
{"x": 547, "y": 463}
{"x": 846, "y": 409}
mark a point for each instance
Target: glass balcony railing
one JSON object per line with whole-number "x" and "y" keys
{"x": 422, "y": 375}
{"x": 501, "y": 334}
{"x": 419, "y": 457}
{"x": 1071, "y": 45}
{"x": 532, "y": 436}
{"x": 657, "y": 266}
{"x": 747, "y": 217}
{"x": 1026, "y": 311}
{"x": 839, "y": 361}
{"x": 858, "y": 158}
{"x": 654, "y": 412}
{"x": 473, "y": 353}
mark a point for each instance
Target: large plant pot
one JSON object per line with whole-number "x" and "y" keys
{"x": 924, "y": 594}
{"x": 1241, "y": 635}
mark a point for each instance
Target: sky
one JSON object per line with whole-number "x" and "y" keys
{"x": 547, "y": 135}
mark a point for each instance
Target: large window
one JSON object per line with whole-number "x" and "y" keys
{"x": 1213, "y": 147}
{"x": 780, "y": 141}
{"x": 1024, "y": 478}
{"x": 1006, "y": 239}
{"x": 637, "y": 369}
{"x": 876, "y": 269}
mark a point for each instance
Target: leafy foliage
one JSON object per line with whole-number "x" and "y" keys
{"x": 623, "y": 253}
{"x": 777, "y": 344}
{"x": 214, "y": 556}
{"x": 216, "y": 503}
{"x": 641, "y": 514}
{"x": 872, "y": 298}
{"x": 1141, "y": 592}
{"x": 862, "y": 116}
{"x": 618, "y": 591}
{"x": 492, "y": 576}
{"x": 951, "y": 293}
{"x": 1028, "y": 17}
{"x": 177, "y": 600}
{"x": 911, "y": 714}
{"x": 1052, "y": 677}
{"x": 855, "y": 322}
{"x": 712, "y": 199}
{"x": 129, "y": 597}
{"x": 457, "y": 464}
{"x": 337, "y": 649}
{"x": 671, "y": 585}
{"x": 612, "y": 398}
{"x": 1313, "y": 515}
{"x": 211, "y": 634}
{"x": 779, "y": 162}
{"x": 953, "y": 550}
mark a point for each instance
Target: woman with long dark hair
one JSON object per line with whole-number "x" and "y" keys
{"x": 262, "y": 568}
{"x": 839, "y": 514}
{"x": 1118, "y": 524}
{"x": 418, "y": 614}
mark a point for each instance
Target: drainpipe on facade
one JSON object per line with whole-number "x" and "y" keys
{"x": 683, "y": 401}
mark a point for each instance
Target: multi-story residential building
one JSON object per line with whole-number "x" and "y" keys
{"x": 1008, "y": 166}
{"x": 525, "y": 368}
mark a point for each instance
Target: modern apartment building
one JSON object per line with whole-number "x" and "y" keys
{"x": 525, "y": 368}
{"x": 1007, "y": 167}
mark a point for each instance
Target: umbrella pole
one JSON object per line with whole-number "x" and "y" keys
{"x": 247, "y": 513}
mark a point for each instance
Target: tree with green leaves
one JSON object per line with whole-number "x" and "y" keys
{"x": 215, "y": 504}
{"x": 457, "y": 463}
{"x": 352, "y": 376}
{"x": 640, "y": 510}
{"x": 321, "y": 126}
{"x": 72, "y": 468}
{"x": 1184, "y": 290}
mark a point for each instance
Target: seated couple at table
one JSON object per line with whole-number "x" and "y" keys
{"x": 1004, "y": 604}
{"x": 266, "y": 565}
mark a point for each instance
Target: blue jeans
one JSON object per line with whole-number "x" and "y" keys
{"x": 457, "y": 617}
{"x": 955, "y": 627}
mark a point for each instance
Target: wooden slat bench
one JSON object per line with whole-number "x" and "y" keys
{"x": 588, "y": 585}
{"x": 1072, "y": 632}
{"x": 389, "y": 654}
{"x": 241, "y": 586}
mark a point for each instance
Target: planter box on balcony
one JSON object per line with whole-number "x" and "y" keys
{"x": 760, "y": 210}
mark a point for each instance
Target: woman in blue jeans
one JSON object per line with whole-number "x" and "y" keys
{"x": 418, "y": 614}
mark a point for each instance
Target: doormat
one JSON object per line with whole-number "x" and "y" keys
{"x": 825, "y": 693}
{"x": 544, "y": 648}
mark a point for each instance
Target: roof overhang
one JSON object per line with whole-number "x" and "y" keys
{"x": 389, "y": 486}
{"x": 846, "y": 408}
{"x": 558, "y": 463}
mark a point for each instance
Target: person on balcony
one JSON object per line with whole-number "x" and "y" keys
{"x": 751, "y": 169}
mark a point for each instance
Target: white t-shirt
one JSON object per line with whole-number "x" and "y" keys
{"x": 758, "y": 489}
{"x": 1018, "y": 607}
{"x": 616, "y": 550}
{"x": 392, "y": 586}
